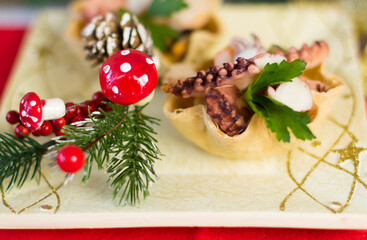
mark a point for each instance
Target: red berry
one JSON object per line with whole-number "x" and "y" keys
{"x": 36, "y": 132}
{"x": 46, "y": 128}
{"x": 69, "y": 104}
{"x": 78, "y": 110}
{"x": 128, "y": 76}
{"x": 70, "y": 158}
{"x": 71, "y": 111}
{"x": 59, "y": 123}
{"x": 59, "y": 132}
{"x": 78, "y": 118}
{"x": 21, "y": 129}
{"x": 107, "y": 108}
{"x": 12, "y": 117}
{"x": 98, "y": 95}
{"x": 92, "y": 106}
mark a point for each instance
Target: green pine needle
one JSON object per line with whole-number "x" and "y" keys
{"x": 128, "y": 151}
{"x": 20, "y": 158}
{"x": 121, "y": 141}
{"x": 132, "y": 167}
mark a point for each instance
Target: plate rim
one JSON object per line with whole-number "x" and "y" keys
{"x": 185, "y": 219}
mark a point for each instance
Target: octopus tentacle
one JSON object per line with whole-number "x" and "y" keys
{"x": 239, "y": 47}
{"x": 244, "y": 71}
{"x": 314, "y": 55}
{"x": 224, "y": 105}
{"x": 239, "y": 74}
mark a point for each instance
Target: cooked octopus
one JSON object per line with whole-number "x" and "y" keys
{"x": 224, "y": 106}
{"x": 313, "y": 55}
{"x": 239, "y": 74}
{"x": 222, "y": 87}
{"x": 239, "y": 47}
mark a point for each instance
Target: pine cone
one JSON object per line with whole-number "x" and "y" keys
{"x": 105, "y": 36}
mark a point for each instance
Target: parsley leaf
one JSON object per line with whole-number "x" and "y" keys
{"x": 165, "y": 8}
{"x": 277, "y": 116}
{"x": 160, "y": 34}
{"x": 274, "y": 74}
{"x": 160, "y": 8}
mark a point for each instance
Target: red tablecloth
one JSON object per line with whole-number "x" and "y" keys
{"x": 10, "y": 40}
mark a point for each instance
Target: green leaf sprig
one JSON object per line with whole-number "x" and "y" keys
{"x": 165, "y": 8}
{"x": 160, "y": 33}
{"x": 277, "y": 116}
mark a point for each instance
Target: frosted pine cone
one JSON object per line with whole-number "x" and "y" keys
{"x": 105, "y": 36}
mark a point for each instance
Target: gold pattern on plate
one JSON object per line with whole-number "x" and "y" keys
{"x": 6, "y": 204}
{"x": 53, "y": 191}
{"x": 316, "y": 143}
{"x": 46, "y": 54}
{"x": 44, "y": 51}
{"x": 350, "y": 152}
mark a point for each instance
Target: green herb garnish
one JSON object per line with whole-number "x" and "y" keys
{"x": 278, "y": 117}
{"x": 160, "y": 33}
{"x": 165, "y": 8}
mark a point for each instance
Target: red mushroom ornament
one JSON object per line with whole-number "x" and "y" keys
{"x": 128, "y": 76}
{"x": 33, "y": 111}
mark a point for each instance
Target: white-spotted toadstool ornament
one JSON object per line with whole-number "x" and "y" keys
{"x": 33, "y": 111}
{"x": 128, "y": 77}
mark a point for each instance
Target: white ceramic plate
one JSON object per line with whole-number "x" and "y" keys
{"x": 196, "y": 188}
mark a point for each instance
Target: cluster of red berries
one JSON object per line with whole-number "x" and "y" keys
{"x": 127, "y": 77}
{"x": 74, "y": 113}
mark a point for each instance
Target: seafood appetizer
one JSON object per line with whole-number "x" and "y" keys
{"x": 254, "y": 102}
{"x": 111, "y": 25}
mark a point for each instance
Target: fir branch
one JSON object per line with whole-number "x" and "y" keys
{"x": 121, "y": 140}
{"x": 90, "y": 135}
{"x": 20, "y": 157}
{"x": 127, "y": 136}
{"x": 132, "y": 167}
